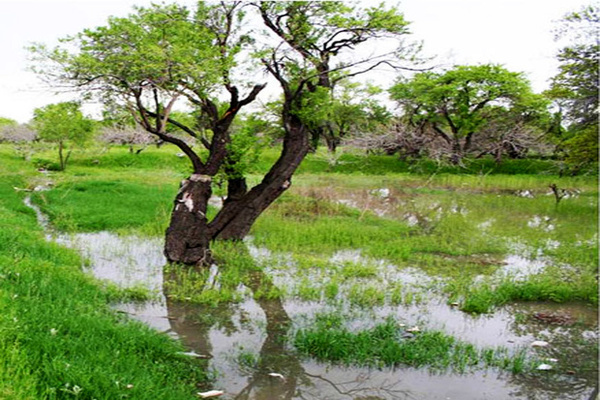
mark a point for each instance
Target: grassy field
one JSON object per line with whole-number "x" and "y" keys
{"x": 58, "y": 336}
{"x": 456, "y": 227}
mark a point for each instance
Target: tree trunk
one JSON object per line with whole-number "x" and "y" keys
{"x": 238, "y": 215}
{"x": 457, "y": 154}
{"x": 331, "y": 140}
{"x": 187, "y": 239}
{"x": 315, "y": 138}
{"x": 189, "y": 234}
{"x": 60, "y": 155}
{"x": 498, "y": 155}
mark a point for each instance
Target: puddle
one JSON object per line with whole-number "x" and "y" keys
{"x": 383, "y": 202}
{"x": 520, "y": 268}
{"x": 245, "y": 346}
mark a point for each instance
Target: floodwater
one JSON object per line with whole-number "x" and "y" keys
{"x": 250, "y": 358}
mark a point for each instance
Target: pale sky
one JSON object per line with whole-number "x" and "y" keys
{"x": 514, "y": 33}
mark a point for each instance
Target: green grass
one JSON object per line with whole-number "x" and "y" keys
{"x": 104, "y": 192}
{"x": 59, "y": 338}
{"x": 97, "y": 205}
{"x": 485, "y": 297}
{"x": 388, "y": 344}
{"x": 236, "y": 269}
{"x": 468, "y": 221}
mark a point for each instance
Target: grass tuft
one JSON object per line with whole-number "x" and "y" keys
{"x": 388, "y": 344}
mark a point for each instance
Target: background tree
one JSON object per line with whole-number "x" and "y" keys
{"x": 575, "y": 87}
{"x": 353, "y": 110}
{"x": 7, "y": 122}
{"x": 17, "y": 133}
{"x": 64, "y": 125}
{"x": 22, "y": 136}
{"x": 131, "y": 136}
{"x": 456, "y": 104}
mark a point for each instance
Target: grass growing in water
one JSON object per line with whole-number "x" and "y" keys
{"x": 388, "y": 344}
{"x": 485, "y": 297}
{"x": 100, "y": 191}
{"x": 235, "y": 275}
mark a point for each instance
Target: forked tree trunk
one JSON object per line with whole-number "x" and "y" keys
{"x": 189, "y": 234}
{"x": 237, "y": 217}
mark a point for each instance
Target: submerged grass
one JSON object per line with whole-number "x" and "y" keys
{"x": 234, "y": 276}
{"x": 485, "y": 297}
{"x": 389, "y": 344}
{"x": 456, "y": 225}
{"x": 452, "y": 226}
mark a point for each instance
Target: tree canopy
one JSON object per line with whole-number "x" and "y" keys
{"x": 63, "y": 124}
{"x": 457, "y": 103}
{"x": 154, "y": 59}
{"x": 575, "y": 87}
{"x": 164, "y": 56}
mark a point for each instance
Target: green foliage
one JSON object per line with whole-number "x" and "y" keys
{"x": 7, "y": 122}
{"x": 575, "y": 87}
{"x": 245, "y": 148}
{"x": 389, "y": 344}
{"x": 62, "y": 124}
{"x": 456, "y": 103}
{"x": 582, "y": 147}
{"x": 151, "y": 56}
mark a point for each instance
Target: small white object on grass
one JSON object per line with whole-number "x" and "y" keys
{"x": 276, "y": 375}
{"x": 192, "y": 354}
{"x": 539, "y": 343}
{"x": 211, "y": 393}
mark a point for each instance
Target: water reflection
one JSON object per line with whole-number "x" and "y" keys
{"x": 276, "y": 372}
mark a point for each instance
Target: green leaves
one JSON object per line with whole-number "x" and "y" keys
{"x": 158, "y": 49}
{"x": 62, "y": 122}
{"x": 461, "y": 104}
{"x": 456, "y": 99}
{"x": 575, "y": 87}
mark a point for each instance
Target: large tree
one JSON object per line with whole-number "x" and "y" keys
{"x": 457, "y": 103}
{"x": 162, "y": 55}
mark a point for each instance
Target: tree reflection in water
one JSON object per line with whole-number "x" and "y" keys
{"x": 193, "y": 324}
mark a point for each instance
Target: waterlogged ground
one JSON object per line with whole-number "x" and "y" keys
{"x": 244, "y": 336}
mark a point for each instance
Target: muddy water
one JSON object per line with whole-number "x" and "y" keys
{"x": 245, "y": 346}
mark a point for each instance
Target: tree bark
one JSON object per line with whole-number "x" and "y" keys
{"x": 239, "y": 214}
{"x": 60, "y": 155}
{"x": 189, "y": 234}
{"x": 187, "y": 239}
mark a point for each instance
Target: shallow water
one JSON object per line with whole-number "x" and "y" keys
{"x": 244, "y": 340}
